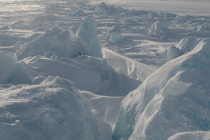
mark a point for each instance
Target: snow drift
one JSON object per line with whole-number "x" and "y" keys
{"x": 53, "y": 109}
{"x": 173, "y": 99}
{"x": 105, "y": 109}
{"x": 87, "y": 72}
{"x": 197, "y": 135}
{"x": 126, "y": 66}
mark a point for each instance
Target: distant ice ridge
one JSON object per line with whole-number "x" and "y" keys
{"x": 174, "y": 99}
{"x": 184, "y": 46}
{"x": 57, "y": 40}
{"x": 103, "y": 9}
{"x": 53, "y": 109}
{"x": 195, "y": 135}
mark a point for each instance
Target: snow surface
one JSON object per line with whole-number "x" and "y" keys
{"x": 105, "y": 110}
{"x": 173, "y": 99}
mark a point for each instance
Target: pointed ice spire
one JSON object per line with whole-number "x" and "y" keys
{"x": 87, "y": 34}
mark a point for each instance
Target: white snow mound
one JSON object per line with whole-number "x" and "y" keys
{"x": 53, "y": 110}
{"x": 116, "y": 38}
{"x": 171, "y": 52}
{"x": 174, "y": 99}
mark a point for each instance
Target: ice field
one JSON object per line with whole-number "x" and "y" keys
{"x": 104, "y": 70}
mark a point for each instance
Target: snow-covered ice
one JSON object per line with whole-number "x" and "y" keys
{"x": 107, "y": 49}
{"x": 173, "y": 99}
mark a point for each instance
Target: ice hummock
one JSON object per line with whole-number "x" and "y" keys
{"x": 160, "y": 30}
{"x": 187, "y": 44}
{"x": 8, "y": 66}
{"x": 53, "y": 109}
{"x": 58, "y": 40}
{"x": 54, "y": 39}
{"x": 14, "y": 72}
{"x": 101, "y": 9}
{"x": 116, "y": 38}
{"x": 173, "y": 99}
{"x": 87, "y": 34}
{"x": 157, "y": 30}
{"x": 171, "y": 52}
